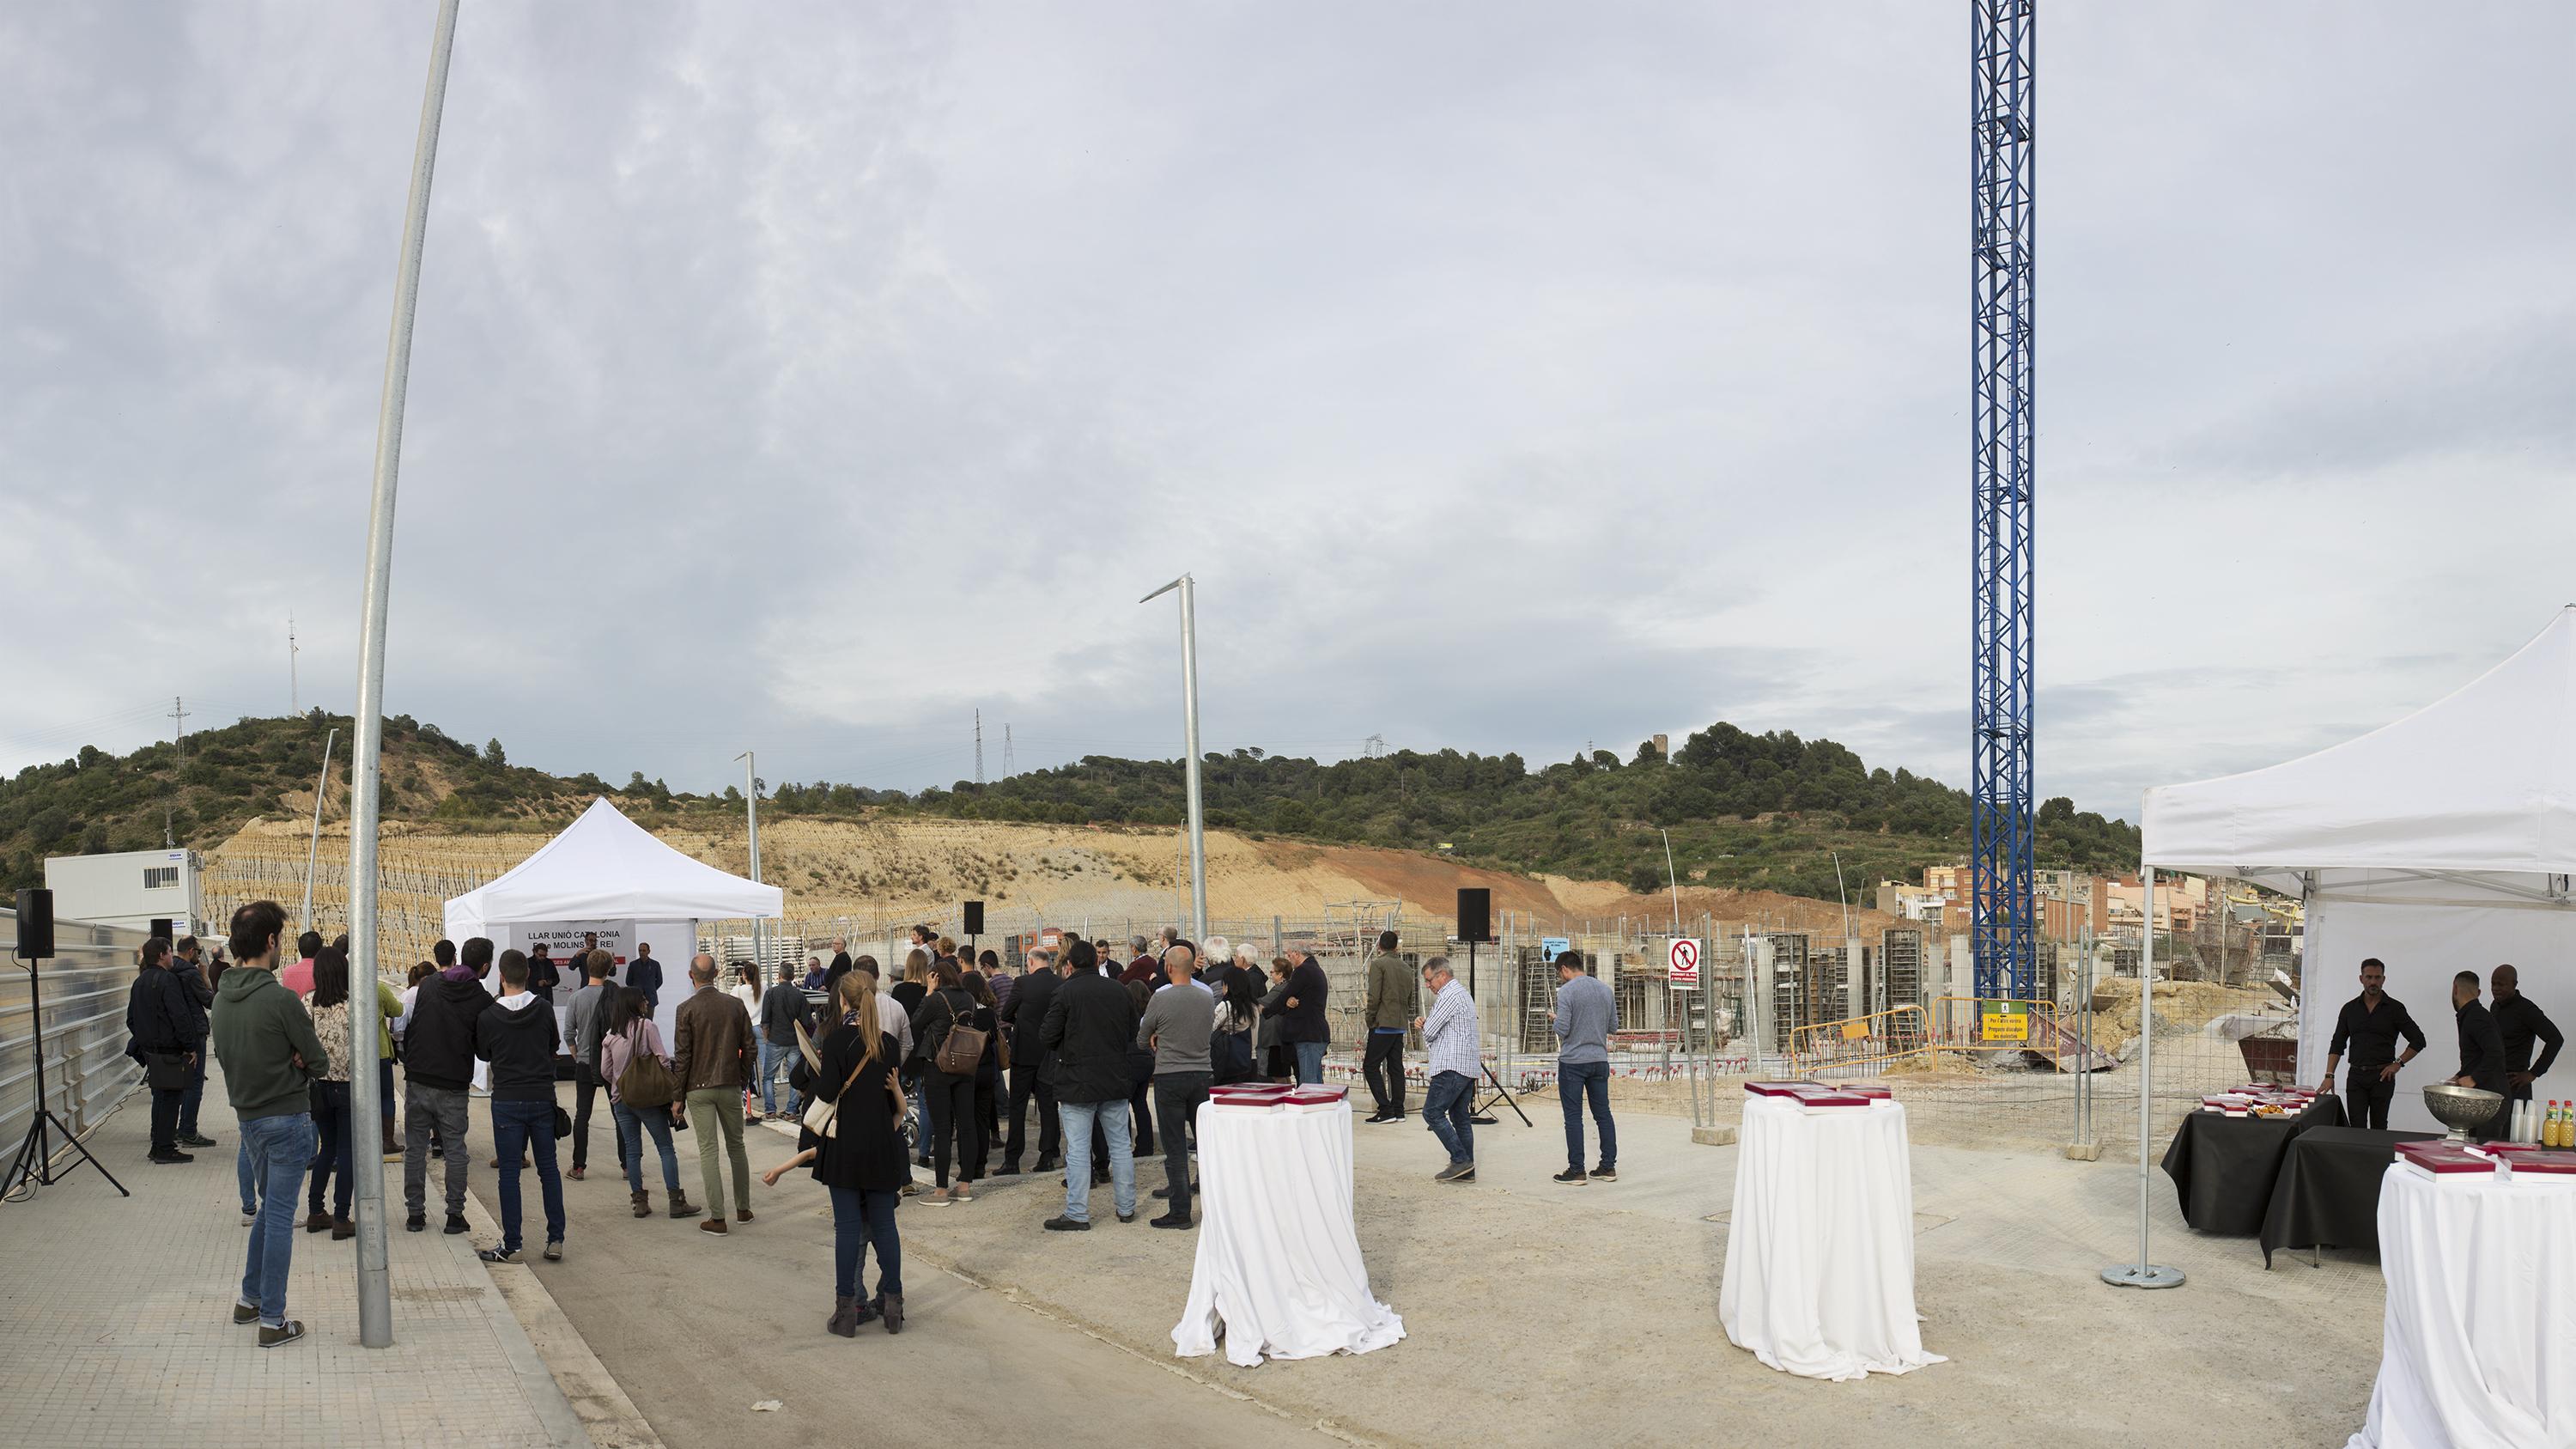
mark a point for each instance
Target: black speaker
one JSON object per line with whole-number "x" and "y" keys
{"x": 161, "y": 928}
{"x": 974, "y": 918}
{"x": 35, "y": 924}
{"x": 1475, "y": 914}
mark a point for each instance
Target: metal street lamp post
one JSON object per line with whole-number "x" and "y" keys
{"x": 1190, "y": 746}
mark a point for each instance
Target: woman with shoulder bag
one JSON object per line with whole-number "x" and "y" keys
{"x": 632, "y": 1062}
{"x": 329, "y": 1089}
{"x": 850, "y": 1131}
{"x": 948, "y": 1082}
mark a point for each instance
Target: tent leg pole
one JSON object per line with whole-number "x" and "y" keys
{"x": 2143, "y": 1274}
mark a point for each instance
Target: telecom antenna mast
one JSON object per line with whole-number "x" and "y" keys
{"x": 2003, "y": 110}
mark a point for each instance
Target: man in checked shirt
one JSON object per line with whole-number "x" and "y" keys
{"x": 1455, "y": 1061}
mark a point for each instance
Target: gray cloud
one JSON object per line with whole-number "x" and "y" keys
{"x": 809, "y": 377}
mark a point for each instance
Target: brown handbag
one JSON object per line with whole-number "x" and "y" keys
{"x": 962, "y": 1048}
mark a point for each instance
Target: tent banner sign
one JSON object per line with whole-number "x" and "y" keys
{"x": 563, "y": 938}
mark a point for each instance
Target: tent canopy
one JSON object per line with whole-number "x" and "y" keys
{"x": 606, "y": 867}
{"x": 2475, "y": 791}
{"x": 2441, "y": 843}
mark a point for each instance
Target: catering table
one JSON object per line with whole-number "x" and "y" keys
{"x": 1279, "y": 1269}
{"x": 2328, "y": 1192}
{"x": 1820, "y": 1247}
{"x": 2222, "y": 1167}
{"x": 2480, "y": 1340}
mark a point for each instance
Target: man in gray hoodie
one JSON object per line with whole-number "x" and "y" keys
{"x": 1178, "y": 1021}
{"x": 589, "y": 1019}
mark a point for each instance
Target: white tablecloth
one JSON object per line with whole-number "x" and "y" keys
{"x": 2479, "y": 1346}
{"x": 1820, "y": 1248}
{"x": 1279, "y": 1267}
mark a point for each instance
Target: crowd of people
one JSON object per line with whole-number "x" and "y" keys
{"x": 935, "y": 1072}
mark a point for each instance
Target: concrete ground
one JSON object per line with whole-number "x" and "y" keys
{"x": 1534, "y": 1313}
{"x": 116, "y": 1322}
{"x": 697, "y": 1329}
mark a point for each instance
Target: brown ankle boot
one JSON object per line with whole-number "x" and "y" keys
{"x": 680, "y": 1207}
{"x": 643, "y": 1204}
{"x": 845, "y": 1317}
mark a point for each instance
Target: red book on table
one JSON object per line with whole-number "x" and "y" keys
{"x": 2442, "y": 1157}
{"x": 2532, "y": 1157}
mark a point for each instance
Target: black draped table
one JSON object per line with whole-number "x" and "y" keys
{"x": 2222, "y": 1167}
{"x": 2327, "y": 1194}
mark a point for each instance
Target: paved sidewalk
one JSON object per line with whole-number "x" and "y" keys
{"x": 116, "y": 1322}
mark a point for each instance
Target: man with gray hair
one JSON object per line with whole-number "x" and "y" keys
{"x": 1146, "y": 964}
{"x": 1586, "y": 1014}
{"x": 1177, "y": 1026}
{"x": 1021, "y": 1016}
{"x": 1456, "y": 1059}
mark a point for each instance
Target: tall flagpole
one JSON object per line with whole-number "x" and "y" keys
{"x": 366, "y": 1128}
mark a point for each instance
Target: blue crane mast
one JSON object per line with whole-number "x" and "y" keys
{"x": 2003, "y": 105}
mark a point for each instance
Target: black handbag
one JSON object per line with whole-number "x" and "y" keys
{"x": 165, "y": 1071}
{"x": 563, "y": 1123}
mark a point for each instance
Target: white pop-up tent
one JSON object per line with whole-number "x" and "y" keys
{"x": 608, "y": 875}
{"x": 2441, "y": 843}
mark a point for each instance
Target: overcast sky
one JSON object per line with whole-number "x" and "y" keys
{"x": 1512, "y": 377}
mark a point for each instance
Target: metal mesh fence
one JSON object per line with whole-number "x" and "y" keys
{"x": 83, "y": 991}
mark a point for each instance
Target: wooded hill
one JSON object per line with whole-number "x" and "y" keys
{"x": 1766, "y": 811}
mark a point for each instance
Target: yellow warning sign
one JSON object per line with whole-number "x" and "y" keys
{"x": 2006, "y": 1027}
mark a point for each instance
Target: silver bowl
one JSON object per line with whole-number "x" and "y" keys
{"x": 2461, "y": 1108}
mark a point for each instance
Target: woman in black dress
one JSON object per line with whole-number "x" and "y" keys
{"x": 861, "y": 1164}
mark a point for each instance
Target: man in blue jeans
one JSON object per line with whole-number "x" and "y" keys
{"x": 1455, "y": 1057}
{"x": 1090, "y": 1023}
{"x": 517, "y": 1035}
{"x": 1586, "y": 1013}
{"x": 270, "y": 1052}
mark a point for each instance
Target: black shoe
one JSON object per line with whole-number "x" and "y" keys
{"x": 1010, "y": 1167}
{"x": 171, "y": 1154}
{"x": 1048, "y": 1164}
{"x": 455, "y": 1223}
{"x": 500, "y": 1255}
{"x": 1606, "y": 1173}
{"x": 1380, "y": 1115}
{"x": 416, "y": 1223}
{"x": 1126, "y": 1217}
{"x": 1169, "y": 1220}
{"x": 192, "y": 1139}
{"x": 1572, "y": 1175}
{"x": 1067, "y": 1225}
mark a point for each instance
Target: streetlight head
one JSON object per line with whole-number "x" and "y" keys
{"x": 1165, "y": 589}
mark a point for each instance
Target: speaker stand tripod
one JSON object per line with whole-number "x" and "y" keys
{"x": 1481, "y": 1112}
{"x": 34, "y": 1164}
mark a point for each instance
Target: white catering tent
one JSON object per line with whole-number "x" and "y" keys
{"x": 607, "y": 874}
{"x": 2441, "y": 843}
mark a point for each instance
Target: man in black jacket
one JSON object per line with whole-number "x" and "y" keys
{"x": 438, "y": 1069}
{"x": 1302, "y": 1027}
{"x": 2481, "y": 1048}
{"x": 183, "y": 964}
{"x": 543, "y": 975}
{"x": 518, "y": 1036}
{"x": 2518, "y": 1020}
{"x": 166, "y": 1031}
{"x": 1024, "y": 1015}
{"x": 642, "y": 974}
{"x": 783, "y": 1008}
{"x": 1089, "y": 1027}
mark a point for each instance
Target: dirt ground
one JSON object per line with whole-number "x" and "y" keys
{"x": 901, "y": 869}
{"x": 1537, "y": 1313}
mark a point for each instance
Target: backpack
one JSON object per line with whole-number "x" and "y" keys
{"x": 646, "y": 1082}
{"x": 961, "y": 1047}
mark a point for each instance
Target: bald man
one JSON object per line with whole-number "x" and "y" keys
{"x": 2522, "y": 1022}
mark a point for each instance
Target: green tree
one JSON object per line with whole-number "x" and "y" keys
{"x": 492, "y": 752}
